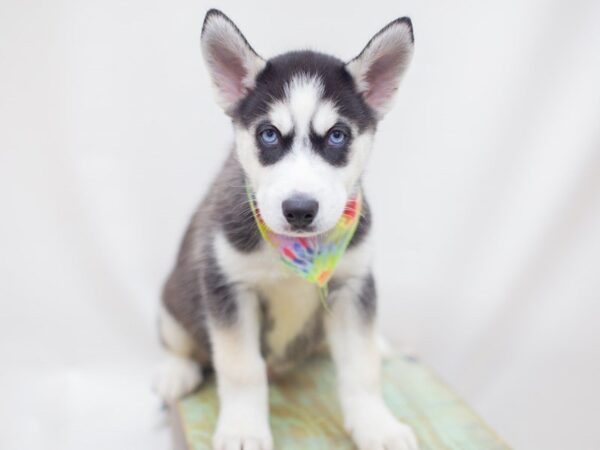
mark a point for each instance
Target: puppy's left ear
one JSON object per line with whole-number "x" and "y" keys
{"x": 232, "y": 62}
{"x": 378, "y": 69}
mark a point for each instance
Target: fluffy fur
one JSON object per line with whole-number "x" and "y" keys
{"x": 229, "y": 303}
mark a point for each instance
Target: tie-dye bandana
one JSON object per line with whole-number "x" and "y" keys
{"x": 314, "y": 258}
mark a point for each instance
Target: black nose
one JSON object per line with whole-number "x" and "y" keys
{"x": 300, "y": 210}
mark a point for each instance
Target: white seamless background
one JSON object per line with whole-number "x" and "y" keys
{"x": 485, "y": 185}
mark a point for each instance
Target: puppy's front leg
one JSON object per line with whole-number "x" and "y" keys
{"x": 241, "y": 378}
{"x": 353, "y": 345}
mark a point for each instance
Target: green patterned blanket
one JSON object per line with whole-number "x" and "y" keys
{"x": 305, "y": 413}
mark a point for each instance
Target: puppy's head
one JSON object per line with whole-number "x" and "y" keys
{"x": 304, "y": 121}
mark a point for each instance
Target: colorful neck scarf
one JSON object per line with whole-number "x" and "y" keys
{"x": 314, "y": 258}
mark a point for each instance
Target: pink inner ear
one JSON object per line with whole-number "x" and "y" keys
{"x": 382, "y": 78}
{"x": 229, "y": 73}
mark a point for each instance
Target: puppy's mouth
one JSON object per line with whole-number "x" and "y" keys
{"x": 293, "y": 231}
{"x": 308, "y": 231}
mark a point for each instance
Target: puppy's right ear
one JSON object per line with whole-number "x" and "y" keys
{"x": 231, "y": 61}
{"x": 379, "y": 67}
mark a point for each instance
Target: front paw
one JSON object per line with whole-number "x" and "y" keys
{"x": 236, "y": 432}
{"x": 375, "y": 428}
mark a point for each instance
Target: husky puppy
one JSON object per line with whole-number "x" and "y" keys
{"x": 304, "y": 124}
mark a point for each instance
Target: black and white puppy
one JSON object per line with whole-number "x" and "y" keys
{"x": 304, "y": 124}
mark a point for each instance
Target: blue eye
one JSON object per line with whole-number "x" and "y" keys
{"x": 269, "y": 136}
{"x": 336, "y": 138}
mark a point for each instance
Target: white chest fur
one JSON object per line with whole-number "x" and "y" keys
{"x": 291, "y": 304}
{"x": 291, "y": 301}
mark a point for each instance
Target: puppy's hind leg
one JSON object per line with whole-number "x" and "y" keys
{"x": 179, "y": 374}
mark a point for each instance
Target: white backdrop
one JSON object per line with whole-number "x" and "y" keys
{"x": 485, "y": 184}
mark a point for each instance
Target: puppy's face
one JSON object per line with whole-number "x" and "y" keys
{"x": 304, "y": 121}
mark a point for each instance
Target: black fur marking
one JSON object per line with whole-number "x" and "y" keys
{"x": 338, "y": 86}
{"x": 234, "y": 211}
{"x": 336, "y": 156}
{"x": 239, "y": 224}
{"x": 305, "y": 342}
{"x": 364, "y": 224}
{"x": 219, "y": 293}
{"x": 181, "y": 297}
{"x": 271, "y": 154}
{"x": 367, "y": 298}
{"x": 266, "y": 326}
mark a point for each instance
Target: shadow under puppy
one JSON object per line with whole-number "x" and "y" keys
{"x": 304, "y": 124}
